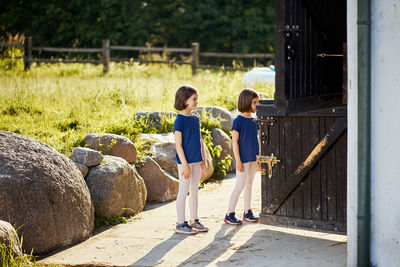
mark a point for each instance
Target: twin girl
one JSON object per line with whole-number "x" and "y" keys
{"x": 191, "y": 162}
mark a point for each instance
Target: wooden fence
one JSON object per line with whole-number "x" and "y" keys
{"x": 106, "y": 59}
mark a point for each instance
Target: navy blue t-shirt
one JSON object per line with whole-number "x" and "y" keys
{"x": 248, "y": 140}
{"x": 189, "y": 126}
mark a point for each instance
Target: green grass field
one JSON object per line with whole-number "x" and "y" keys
{"x": 59, "y": 104}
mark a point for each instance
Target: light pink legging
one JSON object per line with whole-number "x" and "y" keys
{"x": 190, "y": 185}
{"x": 243, "y": 180}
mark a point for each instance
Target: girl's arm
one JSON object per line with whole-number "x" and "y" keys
{"x": 181, "y": 154}
{"x": 235, "y": 146}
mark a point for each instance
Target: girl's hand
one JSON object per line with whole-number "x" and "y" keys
{"x": 258, "y": 165}
{"x": 239, "y": 166}
{"x": 203, "y": 166}
{"x": 185, "y": 171}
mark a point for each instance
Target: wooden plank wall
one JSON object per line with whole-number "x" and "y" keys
{"x": 305, "y": 74}
{"x": 322, "y": 194}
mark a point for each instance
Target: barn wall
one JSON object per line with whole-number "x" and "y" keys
{"x": 385, "y": 142}
{"x": 385, "y": 135}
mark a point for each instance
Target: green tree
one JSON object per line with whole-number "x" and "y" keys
{"x": 218, "y": 25}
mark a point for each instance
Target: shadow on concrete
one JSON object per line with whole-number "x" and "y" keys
{"x": 220, "y": 244}
{"x": 154, "y": 256}
{"x": 275, "y": 248}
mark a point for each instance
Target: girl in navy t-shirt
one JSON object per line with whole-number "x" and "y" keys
{"x": 189, "y": 156}
{"x": 245, "y": 148}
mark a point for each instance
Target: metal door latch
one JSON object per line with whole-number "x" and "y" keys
{"x": 271, "y": 161}
{"x": 329, "y": 55}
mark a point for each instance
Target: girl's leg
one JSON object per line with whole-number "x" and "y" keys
{"x": 250, "y": 171}
{"x": 240, "y": 179}
{"x": 182, "y": 193}
{"x": 194, "y": 189}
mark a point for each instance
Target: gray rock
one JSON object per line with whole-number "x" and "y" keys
{"x": 42, "y": 194}
{"x": 160, "y": 185}
{"x": 82, "y": 168}
{"x": 86, "y": 156}
{"x": 164, "y": 151}
{"x": 160, "y": 138}
{"x": 116, "y": 188}
{"x": 9, "y": 239}
{"x": 218, "y": 112}
{"x": 222, "y": 139}
{"x": 158, "y": 118}
{"x": 235, "y": 113}
{"x": 112, "y": 144}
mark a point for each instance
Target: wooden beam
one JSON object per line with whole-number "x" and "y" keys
{"x": 150, "y": 49}
{"x": 312, "y": 159}
{"x": 66, "y": 49}
{"x": 304, "y": 223}
{"x": 237, "y": 55}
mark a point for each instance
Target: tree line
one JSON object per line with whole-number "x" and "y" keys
{"x": 238, "y": 26}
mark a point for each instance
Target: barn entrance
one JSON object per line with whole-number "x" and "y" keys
{"x": 304, "y": 128}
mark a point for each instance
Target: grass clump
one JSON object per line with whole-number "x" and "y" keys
{"x": 8, "y": 258}
{"x": 110, "y": 220}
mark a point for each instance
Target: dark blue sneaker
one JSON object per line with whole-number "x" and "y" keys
{"x": 249, "y": 217}
{"x": 185, "y": 228}
{"x": 198, "y": 226}
{"x": 231, "y": 219}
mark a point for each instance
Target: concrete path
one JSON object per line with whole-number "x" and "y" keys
{"x": 149, "y": 239}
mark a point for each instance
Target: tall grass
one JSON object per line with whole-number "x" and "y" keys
{"x": 8, "y": 258}
{"x": 59, "y": 104}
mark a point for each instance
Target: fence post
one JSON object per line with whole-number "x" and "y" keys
{"x": 195, "y": 57}
{"x": 106, "y": 55}
{"x": 27, "y": 52}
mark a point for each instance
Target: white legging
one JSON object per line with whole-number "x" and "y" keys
{"x": 243, "y": 180}
{"x": 190, "y": 185}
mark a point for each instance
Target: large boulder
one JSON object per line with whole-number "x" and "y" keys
{"x": 222, "y": 139}
{"x": 116, "y": 188}
{"x": 219, "y": 113}
{"x": 9, "y": 239}
{"x": 161, "y": 186}
{"x": 158, "y": 119}
{"x": 112, "y": 144}
{"x": 43, "y": 194}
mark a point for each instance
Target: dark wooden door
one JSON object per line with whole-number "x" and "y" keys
{"x": 308, "y": 185}
{"x": 305, "y": 125}
{"x": 310, "y": 39}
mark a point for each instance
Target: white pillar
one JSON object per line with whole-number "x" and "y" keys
{"x": 385, "y": 133}
{"x": 352, "y": 134}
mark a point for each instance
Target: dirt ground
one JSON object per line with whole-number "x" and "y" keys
{"x": 149, "y": 239}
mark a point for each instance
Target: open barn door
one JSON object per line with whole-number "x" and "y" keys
{"x": 304, "y": 128}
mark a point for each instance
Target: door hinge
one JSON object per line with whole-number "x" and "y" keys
{"x": 290, "y": 30}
